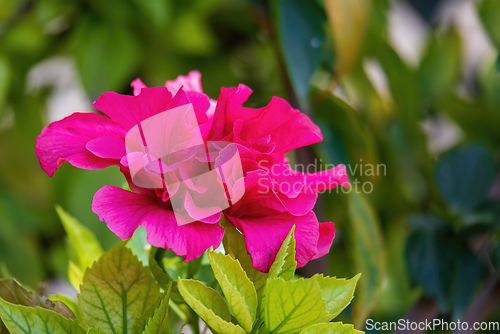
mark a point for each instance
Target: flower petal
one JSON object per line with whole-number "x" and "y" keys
{"x": 137, "y": 85}
{"x": 65, "y": 140}
{"x": 124, "y": 211}
{"x": 190, "y": 82}
{"x": 326, "y": 236}
{"x": 287, "y": 127}
{"x": 108, "y": 147}
{"x": 264, "y": 236}
{"x": 129, "y": 110}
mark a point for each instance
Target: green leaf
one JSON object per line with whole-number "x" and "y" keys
{"x": 284, "y": 265}
{"x": 441, "y": 65}
{"x": 83, "y": 240}
{"x": 75, "y": 275}
{"x": 347, "y": 138}
{"x": 465, "y": 176}
{"x": 369, "y": 254}
{"x": 237, "y": 287}
{"x": 234, "y": 245}
{"x": 163, "y": 278}
{"x": 70, "y": 303}
{"x": 158, "y": 323}
{"x": 5, "y": 76}
{"x": 290, "y": 306}
{"x": 444, "y": 269}
{"x": 209, "y": 305}
{"x": 336, "y": 292}
{"x": 349, "y": 21}
{"x": 158, "y": 11}
{"x": 488, "y": 11}
{"x": 116, "y": 290}
{"x": 25, "y": 320}
{"x": 299, "y": 25}
{"x": 11, "y": 291}
{"x": 106, "y": 55}
{"x": 162, "y": 303}
{"x": 96, "y": 331}
{"x": 331, "y": 328}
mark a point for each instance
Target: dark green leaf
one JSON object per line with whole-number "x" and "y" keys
{"x": 369, "y": 254}
{"x": 299, "y": 25}
{"x": 464, "y": 177}
{"x": 431, "y": 255}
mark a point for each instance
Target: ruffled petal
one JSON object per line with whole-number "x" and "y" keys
{"x": 190, "y": 82}
{"x": 137, "y": 85}
{"x": 66, "y": 140}
{"x": 124, "y": 211}
{"x": 325, "y": 240}
{"x": 129, "y": 110}
{"x": 107, "y": 147}
{"x": 286, "y": 127}
{"x": 264, "y": 236}
{"x": 328, "y": 179}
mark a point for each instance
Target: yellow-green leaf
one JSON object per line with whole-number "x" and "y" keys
{"x": 26, "y": 320}
{"x": 116, "y": 290}
{"x": 85, "y": 244}
{"x": 331, "y": 328}
{"x": 209, "y": 305}
{"x": 290, "y": 306}
{"x": 158, "y": 323}
{"x": 337, "y": 293}
{"x": 369, "y": 255}
{"x": 234, "y": 245}
{"x": 156, "y": 318}
{"x": 75, "y": 275}
{"x": 284, "y": 265}
{"x": 237, "y": 287}
{"x": 95, "y": 331}
{"x": 349, "y": 21}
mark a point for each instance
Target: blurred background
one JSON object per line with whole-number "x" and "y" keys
{"x": 407, "y": 94}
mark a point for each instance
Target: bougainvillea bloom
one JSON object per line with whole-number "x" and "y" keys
{"x": 266, "y": 197}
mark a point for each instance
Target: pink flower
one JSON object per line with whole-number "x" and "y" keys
{"x": 274, "y": 197}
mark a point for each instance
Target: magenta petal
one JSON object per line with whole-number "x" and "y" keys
{"x": 189, "y": 240}
{"x": 284, "y": 127}
{"x": 328, "y": 179}
{"x": 65, "y": 140}
{"x": 108, "y": 147}
{"x": 326, "y": 236}
{"x": 300, "y": 205}
{"x": 137, "y": 85}
{"x": 129, "y": 110}
{"x": 124, "y": 211}
{"x": 190, "y": 82}
{"x": 264, "y": 236}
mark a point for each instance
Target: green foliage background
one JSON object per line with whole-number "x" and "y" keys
{"x": 429, "y": 231}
